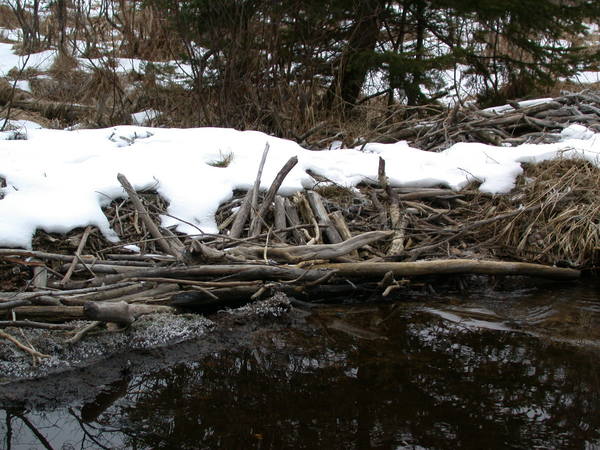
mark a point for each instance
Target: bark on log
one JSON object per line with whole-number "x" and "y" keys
{"x": 256, "y": 224}
{"x": 232, "y": 271}
{"x": 451, "y": 267}
{"x": 302, "y": 253}
{"x": 121, "y": 312}
{"x": 50, "y": 313}
{"x": 316, "y": 203}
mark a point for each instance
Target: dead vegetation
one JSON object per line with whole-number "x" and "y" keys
{"x": 331, "y": 241}
{"x": 375, "y": 241}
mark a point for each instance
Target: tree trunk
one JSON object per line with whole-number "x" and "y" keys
{"x": 354, "y": 63}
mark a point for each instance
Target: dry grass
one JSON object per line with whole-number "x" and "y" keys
{"x": 224, "y": 160}
{"x": 560, "y": 222}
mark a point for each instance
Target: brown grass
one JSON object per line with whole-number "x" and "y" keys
{"x": 562, "y": 225}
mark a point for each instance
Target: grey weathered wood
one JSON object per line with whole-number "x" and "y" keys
{"x": 291, "y": 213}
{"x": 250, "y": 200}
{"x": 450, "y": 267}
{"x": 257, "y": 220}
{"x": 174, "y": 247}
{"x": 279, "y": 214}
{"x": 296, "y": 254}
{"x": 316, "y": 203}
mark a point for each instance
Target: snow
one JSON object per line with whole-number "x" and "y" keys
{"x": 523, "y": 104}
{"x": 586, "y": 77}
{"x": 57, "y": 180}
{"x": 8, "y": 60}
{"x": 144, "y": 117}
{"x": 576, "y": 131}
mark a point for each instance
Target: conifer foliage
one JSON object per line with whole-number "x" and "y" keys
{"x": 505, "y": 47}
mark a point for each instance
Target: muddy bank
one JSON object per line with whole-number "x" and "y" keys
{"x": 496, "y": 368}
{"x": 77, "y": 371}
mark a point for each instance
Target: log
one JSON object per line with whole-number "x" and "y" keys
{"x": 450, "y": 267}
{"x": 291, "y": 213}
{"x": 302, "y": 253}
{"x": 316, "y": 203}
{"x": 249, "y": 200}
{"x": 340, "y": 224}
{"x": 309, "y": 217}
{"x": 50, "y": 313}
{"x": 172, "y": 247}
{"x": 121, "y": 312}
{"x": 398, "y": 220}
{"x": 279, "y": 218}
{"x": 257, "y": 220}
{"x": 232, "y": 271}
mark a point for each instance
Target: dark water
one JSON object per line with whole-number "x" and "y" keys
{"x": 515, "y": 369}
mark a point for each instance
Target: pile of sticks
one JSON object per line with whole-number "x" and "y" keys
{"x": 514, "y": 125}
{"x": 320, "y": 244}
{"x": 327, "y": 242}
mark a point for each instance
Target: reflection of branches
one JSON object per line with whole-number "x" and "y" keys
{"x": 8, "y": 430}
{"x": 35, "y": 431}
{"x": 82, "y": 425}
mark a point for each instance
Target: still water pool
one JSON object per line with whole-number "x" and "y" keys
{"x": 496, "y": 369}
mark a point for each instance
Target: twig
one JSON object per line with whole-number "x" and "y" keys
{"x": 80, "y": 247}
{"x": 23, "y": 347}
{"x": 175, "y": 247}
{"x": 82, "y": 332}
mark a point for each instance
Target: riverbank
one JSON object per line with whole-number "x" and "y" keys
{"x": 426, "y": 365}
{"x": 373, "y": 223}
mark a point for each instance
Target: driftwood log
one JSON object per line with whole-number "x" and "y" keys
{"x": 122, "y": 313}
{"x": 451, "y": 267}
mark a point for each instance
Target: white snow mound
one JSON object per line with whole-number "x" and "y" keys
{"x": 59, "y": 180}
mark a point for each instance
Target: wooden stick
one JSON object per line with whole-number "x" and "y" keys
{"x": 301, "y": 253}
{"x": 256, "y": 223}
{"x": 80, "y": 247}
{"x": 32, "y": 324}
{"x": 340, "y": 224}
{"x": 316, "y": 203}
{"x": 450, "y": 267}
{"x": 234, "y": 271}
{"x": 174, "y": 247}
{"x": 14, "y": 304}
{"x": 40, "y": 276}
{"x": 280, "y": 221}
{"x": 82, "y": 332}
{"x": 23, "y": 347}
{"x": 250, "y": 199}
{"x": 293, "y": 218}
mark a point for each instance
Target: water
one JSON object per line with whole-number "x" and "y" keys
{"x": 501, "y": 369}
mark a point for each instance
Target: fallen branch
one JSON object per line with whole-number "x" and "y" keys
{"x": 302, "y": 253}
{"x": 23, "y": 347}
{"x": 174, "y": 247}
{"x": 450, "y": 267}
{"x": 121, "y": 312}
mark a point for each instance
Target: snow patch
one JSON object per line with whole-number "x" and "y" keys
{"x": 58, "y": 180}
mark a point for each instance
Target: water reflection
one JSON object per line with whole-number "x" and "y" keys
{"x": 485, "y": 373}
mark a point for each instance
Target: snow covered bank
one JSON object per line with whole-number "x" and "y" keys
{"x": 59, "y": 180}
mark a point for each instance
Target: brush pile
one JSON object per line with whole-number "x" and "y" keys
{"x": 533, "y": 122}
{"x": 374, "y": 241}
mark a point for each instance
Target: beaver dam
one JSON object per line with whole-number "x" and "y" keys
{"x": 327, "y": 243}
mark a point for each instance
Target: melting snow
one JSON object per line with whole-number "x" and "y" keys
{"x": 58, "y": 180}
